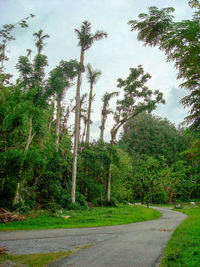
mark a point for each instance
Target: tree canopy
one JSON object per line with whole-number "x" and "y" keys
{"x": 181, "y": 43}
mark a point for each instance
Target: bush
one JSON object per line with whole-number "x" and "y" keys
{"x": 10, "y": 165}
{"x": 22, "y": 207}
{"x": 111, "y": 203}
{"x": 160, "y": 198}
{"x": 80, "y": 204}
{"x": 124, "y": 202}
{"x": 52, "y": 207}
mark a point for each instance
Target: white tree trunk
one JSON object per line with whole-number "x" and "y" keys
{"x": 76, "y": 131}
{"x": 51, "y": 116}
{"x": 57, "y": 124}
{"x": 89, "y": 114}
{"x": 109, "y": 184}
{"x": 103, "y": 120}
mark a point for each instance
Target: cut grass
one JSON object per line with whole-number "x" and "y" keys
{"x": 39, "y": 259}
{"x": 183, "y": 249}
{"x": 32, "y": 260}
{"x": 101, "y": 216}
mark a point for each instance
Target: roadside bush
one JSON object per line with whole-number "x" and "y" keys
{"x": 160, "y": 198}
{"x": 10, "y": 164}
{"x": 80, "y": 204}
{"x": 52, "y": 207}
{"x": 22, "y": 207}
{"x": 111, "y": 203}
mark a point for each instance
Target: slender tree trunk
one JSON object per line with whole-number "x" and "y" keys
{"x": 109, "y": 184}
{"x": 51, "y": 116}
{"x": 64, "y": 124}
{"x": 30, "y": 136}
{"x": 102, "y": 127}
{"x": 79, "y": 128}
{"x": 170, "y": 198}
{"x": 109, "y": 173}
{"x": 28, "y": 142}
{"x": 84, "y": 130}
{"x": 50, "y": 122}
{"x": 16, "y": 197}
{"x": 79, "y": 122}
{"x": 76, "y": 130}
{"x": 103, "y": 121}
{"x": 58, "y": 123}
{"x": 89, "y": 114}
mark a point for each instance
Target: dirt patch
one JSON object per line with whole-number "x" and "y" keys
{"x": 67, "y": 217}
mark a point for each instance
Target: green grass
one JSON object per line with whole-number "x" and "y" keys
{"x": 101, "y": 216}
{"x": 33, "y": 260}
{"x": 39, "y": 260}
{"x": 183, "y": 249}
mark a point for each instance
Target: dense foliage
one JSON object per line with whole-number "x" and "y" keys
{"x": 154, "y": 136}
{"x": 162, "y": 169}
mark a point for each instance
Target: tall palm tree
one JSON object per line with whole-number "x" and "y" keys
{"x": 86, "y": 39}
{"x": 104, "y": 114}
{"x": 106, "y": 111}
{"x": 84, "y": 118}
{"x": 40, "y": 40}
{"x": 83, "y": 111}
{"x": 92, "y": 77}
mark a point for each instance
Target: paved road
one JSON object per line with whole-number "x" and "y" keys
{"x": 132, "y": 245}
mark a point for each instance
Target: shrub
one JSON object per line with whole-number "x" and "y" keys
{"x": 160, "y": 198}
{"x": 80, "y": 204}
{"x": 111, "y": 203}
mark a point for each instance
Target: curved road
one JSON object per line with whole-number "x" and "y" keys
{"x": 132, "y": 245}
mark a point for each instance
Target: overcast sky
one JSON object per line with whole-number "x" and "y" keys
{"x": 113, "y": 55}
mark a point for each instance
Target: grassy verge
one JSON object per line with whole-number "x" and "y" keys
{"x": 101, "y": 216}
{"x": 32, "y": 260}
{"x": 183, "y": 249}
{"x": 39, "y": 260}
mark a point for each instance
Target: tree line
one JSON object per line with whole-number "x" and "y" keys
{"x": 46, "y": 163}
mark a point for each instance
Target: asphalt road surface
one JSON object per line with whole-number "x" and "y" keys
{"x": 131, "y": 245}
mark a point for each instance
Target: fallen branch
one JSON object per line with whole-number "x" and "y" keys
{"x": 3, "y": 250}
{"x": 6, "y": 216}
